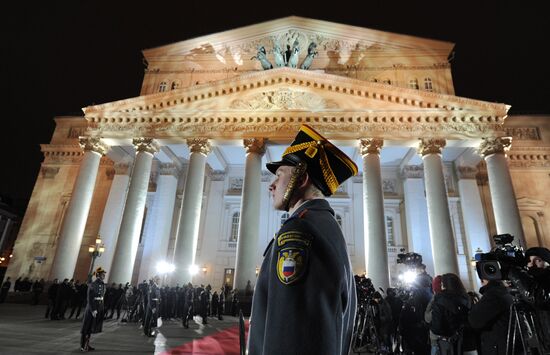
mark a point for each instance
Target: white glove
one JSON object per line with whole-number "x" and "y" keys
{"x": 94, "y": 314}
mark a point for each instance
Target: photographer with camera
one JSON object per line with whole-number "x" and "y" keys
{"x": 514, "y": 317}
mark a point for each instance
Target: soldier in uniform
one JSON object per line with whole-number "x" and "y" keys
{"x": 93, "y": 315}
{"x": 153, "y": 307}
{"x": 305, "y": 300}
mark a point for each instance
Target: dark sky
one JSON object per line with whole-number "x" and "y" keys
{"x": 60, "y": 56}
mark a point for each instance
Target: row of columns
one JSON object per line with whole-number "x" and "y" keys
{"x": 124, "y": 242}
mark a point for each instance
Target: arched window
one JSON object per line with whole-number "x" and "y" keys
{"x": 413, "y": 84}
{"x": 284, "y": 217}
{"x": 390, "y": 235}
{"x": 175, "y": 85}
{"x": 338, "y": 220}
{"x": 162, "y": 86}
{"x": 428, "y": 84}
{"x": 235, "y": 227}
{"x": 387, "y": 81}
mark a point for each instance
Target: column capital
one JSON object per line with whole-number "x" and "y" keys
{"x": 466, "y": 172}
{"x": 92, "y": 144}
{"x": 254, "y": 145}
{"x": 143, "y": 144}
{"x": 370, "y": 146}
{"x": 430, "y": 146}
{"x": 199, "y": 145}
{"x": 498, "y": 145}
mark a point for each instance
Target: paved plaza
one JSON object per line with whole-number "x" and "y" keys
{"x": 24, "y": 330}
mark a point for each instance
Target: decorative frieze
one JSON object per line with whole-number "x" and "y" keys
{"x": 199, "y": 145}
{"x": 235, "y": 185}
{"x": 92, "y": 144}
{"x": 529, "y": 159}
{"x": 284, "y": 99}
{"x": 370, "y": 146}
{"x": 49, "y": 172}
{"x": 217, "y": 175}
{"x": 254, "y": 145}
{"x": 524, "y": 133}
{"x": 498, "y": 145}
{"x": 413, "y": 172}
{"x": 389, "y": 186}
{"x": 61, "y": 154}
{"x": 76, "y": 132}
{"x": 143, "y": 144}
{"x": 430, "y": 146}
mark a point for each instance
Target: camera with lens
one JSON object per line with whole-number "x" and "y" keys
{"x": 409, "y": 259}
{"x": 497, "y": 264}
{"x": 365, "y": 289}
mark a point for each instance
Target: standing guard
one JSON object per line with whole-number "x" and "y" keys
{"x": 304, "y": 300}
{"x": 153, "y": 307}
{"x": 93, "y": 316}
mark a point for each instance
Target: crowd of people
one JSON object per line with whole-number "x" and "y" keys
{"x": 439, "y": 317}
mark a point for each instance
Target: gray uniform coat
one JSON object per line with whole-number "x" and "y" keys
{"x": 304, "y": 301}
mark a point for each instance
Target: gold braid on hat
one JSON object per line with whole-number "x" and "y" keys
{"x": 312, "y": 148}
{"x": 293, "y": 183}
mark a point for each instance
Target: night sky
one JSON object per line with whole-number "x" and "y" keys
{"x": 60, "y": 56}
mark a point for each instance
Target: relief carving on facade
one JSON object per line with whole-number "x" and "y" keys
{"x": 284, "y": 99}
{"x": 169, "y": 169}
{"x": 389, "y": 186}
{"x": 497, "y": 145}
{"x": 49, "y": 172}
{"x": 524, "y": 133}
{"x": 466, "y": 172}
{"x": 412, "y": 172}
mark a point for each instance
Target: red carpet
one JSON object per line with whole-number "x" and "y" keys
{"x": 223, "y": 342}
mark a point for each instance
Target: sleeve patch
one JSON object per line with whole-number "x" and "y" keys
{"x": 291, "y": 264}
{"x": 293, "y": 236}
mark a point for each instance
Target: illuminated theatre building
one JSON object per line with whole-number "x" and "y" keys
{"x": 178, "y": 173}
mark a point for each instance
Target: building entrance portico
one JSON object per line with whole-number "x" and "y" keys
{"x": 219, "y": 132}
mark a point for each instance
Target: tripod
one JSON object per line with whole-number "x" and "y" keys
{"x": 521, "y": 323}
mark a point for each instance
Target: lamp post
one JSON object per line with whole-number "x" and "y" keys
{"x": 95, "y": 250}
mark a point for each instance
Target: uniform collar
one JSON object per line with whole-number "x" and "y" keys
{"x": 318, "y": 204}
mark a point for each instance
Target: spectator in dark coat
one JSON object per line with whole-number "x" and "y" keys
{"x": 489, "y": 317}
{"x": 37, "y": 289}
{"x": 52, "y": 294}
{"x": 5, "y": 289}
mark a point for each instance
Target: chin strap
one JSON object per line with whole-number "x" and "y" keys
{"x": 298, "y": 172}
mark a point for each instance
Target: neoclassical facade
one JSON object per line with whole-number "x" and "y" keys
{"x": 177, "y": 174}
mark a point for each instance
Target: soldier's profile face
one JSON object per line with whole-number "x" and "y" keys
{"x": 278, "y": 187}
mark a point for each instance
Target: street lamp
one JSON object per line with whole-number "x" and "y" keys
{"x": 95, "y": 250}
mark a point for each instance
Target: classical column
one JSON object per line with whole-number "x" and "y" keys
{"x": 416, "y": 214}
{"x": 161, "y": 213}
{"x": 72, "y": 230}
{"x": 441, "y": 231}
{"x": 475, "y": 226}
{"x": 188, "y": 231}
{"x": 503, "y": 197}
{"x": 376, "y": 246}
{"x": 132, "y": 217}
{"x": 249, "y": 226}
{"x": 112, "y": 214}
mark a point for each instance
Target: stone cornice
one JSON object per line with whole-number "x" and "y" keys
{"x": 254, "y": 145}
{"x": 466, "y": 172}
{"x": 61, "y": 153}
{"x": 534, "y": 158}
{"x": 498, "y": 145}
{"x": 187, "y": 98}
{"x": 370, "y": 146}
{"x": 169, "y": 169}
{"x": 430, "y": 146}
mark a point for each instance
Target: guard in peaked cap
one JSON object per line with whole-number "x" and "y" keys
{"x": 326, "y": 165}
{"x": 99, "y": 270}
{"x": 304, "y": 300}
{"x": 93, "y": 315}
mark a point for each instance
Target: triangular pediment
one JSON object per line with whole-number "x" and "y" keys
{"x": 328, "y": 36}
{"x": 269, "y": 100}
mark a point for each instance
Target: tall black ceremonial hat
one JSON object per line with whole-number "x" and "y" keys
{"x": 327, "y": 166}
